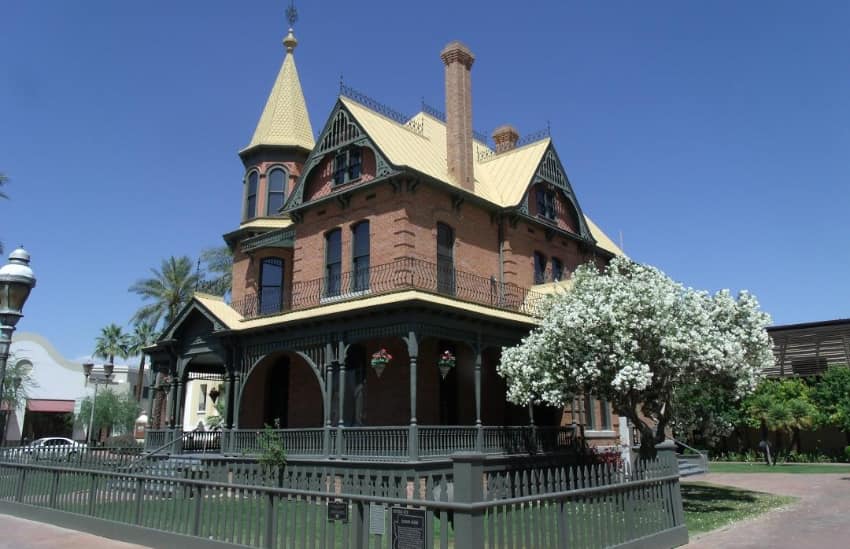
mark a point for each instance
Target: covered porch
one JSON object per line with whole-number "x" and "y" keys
{"x": 314, "y": 384}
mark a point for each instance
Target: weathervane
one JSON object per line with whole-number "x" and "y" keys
{"x": 292, "y": 13}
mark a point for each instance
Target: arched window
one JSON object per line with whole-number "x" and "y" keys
{"x": 360, "y": 256}
{"x": 445, "y": 259}
{"x": 276, "y": 194}
{"x": 271, "y": 286}
{"x": 251, "y": 195}
{"x": 333, "y": 262}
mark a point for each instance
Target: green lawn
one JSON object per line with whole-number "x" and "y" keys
{"x": 709, "y": 506}
{"x": 722, "y": 467}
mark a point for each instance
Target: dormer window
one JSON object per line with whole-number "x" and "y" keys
{"x": 347, "y": 165}
{"x": 546, "y": 203}
{"x": 251, "y": 195}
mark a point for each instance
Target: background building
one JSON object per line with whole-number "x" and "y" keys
{"x": 58, "y": 386}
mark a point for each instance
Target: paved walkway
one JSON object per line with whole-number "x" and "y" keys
{"x": 18, "y": 533}
{"x": 820, "y": 519}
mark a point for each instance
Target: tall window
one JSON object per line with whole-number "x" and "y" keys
{"x": 333, "y": 262}
{"x": 445, "y": 259}
{"x": 347, "y": 165}
{"x": 606, "y": 414}
{"x": 271, "y": 286}
{"x": 546, "y": 203}
{"x": 276, "y": 191}
{"x": 251, "y": 195}
{"x": 360, "y": 260}
{"x": 539, "y": 268}
{"x": 589, "y": 413}
{"x": 557, "y": 270}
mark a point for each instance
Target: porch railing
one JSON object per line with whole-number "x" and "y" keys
{"x": 403, "y": 274}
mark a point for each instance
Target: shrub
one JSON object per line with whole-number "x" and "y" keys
{"x": 847, "y": 453}
{"x": 272, "y": 452}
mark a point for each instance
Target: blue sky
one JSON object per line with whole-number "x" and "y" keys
{"x": 715, "y": 136}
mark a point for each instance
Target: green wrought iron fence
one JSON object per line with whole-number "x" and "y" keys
{"x": 471, "y": 506}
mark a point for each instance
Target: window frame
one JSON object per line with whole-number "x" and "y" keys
{"x": 202, "y": 401}
{"x": 251, "y": 197}
{"x": 332, "y": 290}
{"x": 546, "y": 203}
{"x": 348, "y": 165}
{"x": 557, "y": 273}
{"x": 270, "y": 191}
{"x": 263, "y": 305}
{"x": 539, "y": 262}
{"x": 359, "y": 275}
{"x": 446, "y": 270}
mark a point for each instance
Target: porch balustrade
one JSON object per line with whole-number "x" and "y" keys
{"x": 402, "y": 274}
{"x": 376, "y": 443}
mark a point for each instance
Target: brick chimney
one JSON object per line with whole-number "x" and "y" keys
{"x": 505, "y": 138}
{"x": 458, "y": 60}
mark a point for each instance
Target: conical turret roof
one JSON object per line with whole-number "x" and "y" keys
{"x": 285, "y": 121}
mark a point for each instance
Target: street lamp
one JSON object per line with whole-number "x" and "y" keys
{"x": 16, "y": 282}
{"x": 96, "y": 379}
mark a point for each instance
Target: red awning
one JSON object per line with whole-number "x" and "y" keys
{"x": 53, "y": 406}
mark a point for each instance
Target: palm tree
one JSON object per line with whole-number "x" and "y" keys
{"x": 144, "y": 335}
{"x": 219, "y": 265}
{"x": 170, "y": 288}
{"x": 111, "y": 342}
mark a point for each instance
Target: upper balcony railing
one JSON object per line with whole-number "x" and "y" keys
{"x": 400, "y": 275}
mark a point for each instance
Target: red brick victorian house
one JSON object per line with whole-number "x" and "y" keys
{"x": 409, "y": 234}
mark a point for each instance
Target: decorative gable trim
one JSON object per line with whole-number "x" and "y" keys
{"x": 551, "y": 171}
{"x": 188, "y": 309}
{"x": 340, "y": 131}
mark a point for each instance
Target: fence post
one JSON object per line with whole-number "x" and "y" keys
{"x": 196, "y": 519}
{"x": 269, "y": 541}
{"x": 667, "y": 455}
{"x": 54, "y": 488}
{"x": 358, "y": 518}
{"x": 92, "y": 494}
{"x": 468, "y": 473}
{"x": 140, "y": 494}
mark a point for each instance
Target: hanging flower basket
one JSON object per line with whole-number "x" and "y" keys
{"x": 380, "y": 361}
{"x": 446, "y": 362}
{"x": 214, "y": 394}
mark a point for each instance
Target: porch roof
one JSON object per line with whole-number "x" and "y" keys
{"x": 234, "y": 321}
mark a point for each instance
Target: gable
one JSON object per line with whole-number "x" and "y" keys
{"x": 341, "y": 131}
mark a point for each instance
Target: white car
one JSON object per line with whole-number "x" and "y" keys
{"x": 53, "y": 448}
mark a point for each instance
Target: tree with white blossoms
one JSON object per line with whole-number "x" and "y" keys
{"x": 631, "y": 335}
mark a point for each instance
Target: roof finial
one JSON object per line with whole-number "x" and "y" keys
{"x": 292, "y": 15}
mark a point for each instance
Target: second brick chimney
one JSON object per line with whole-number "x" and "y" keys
{"x": 505, "y": 138}
{"x": 458, "y": 60}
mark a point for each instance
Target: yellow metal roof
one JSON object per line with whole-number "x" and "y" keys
{"x": 502, "y": 179}
{"x": 234, "y": 321}
{"x": 285, "y": 121}
{"x": 602, "y": 239}
{"x": 267, "y": 223}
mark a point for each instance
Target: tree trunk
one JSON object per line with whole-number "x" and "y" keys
{"x": 647, "y": 443}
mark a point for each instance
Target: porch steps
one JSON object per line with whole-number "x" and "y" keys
{"x": 691, "y": 465}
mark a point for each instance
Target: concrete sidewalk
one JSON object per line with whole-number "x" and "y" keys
{"x": 18, "y": 533}
{"x": 819, "y": 519}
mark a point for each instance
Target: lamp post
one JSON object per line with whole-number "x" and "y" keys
{"x": 16, "y": 282}
{"x": 96, "y": 379}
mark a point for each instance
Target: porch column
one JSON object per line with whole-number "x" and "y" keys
{"x": 228, "y": 413}
{"x": 172, "y": 403}
{"x": 413, "y": 430}
{"x": 340, "y": 423}
{"x": 237, "y": 397}
{"x": 181, "y": 403}
{"x": 479, "y": 436}
{"x": 151, "y": 396}
{"x": 531, "y": 424}
{"x": 329, "y": 391}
